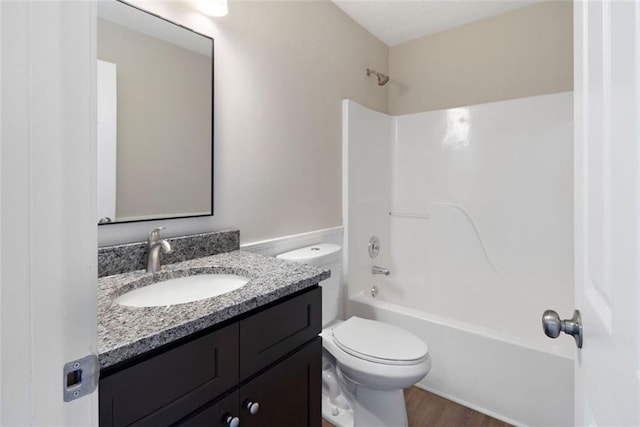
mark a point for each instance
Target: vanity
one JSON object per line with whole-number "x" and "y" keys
{"x": 251, "y": 356}
{"x": 247, "y": 353}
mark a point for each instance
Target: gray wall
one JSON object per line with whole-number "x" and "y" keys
{"x": 281, "y": 71}
{"x": 164, "y": 118}
{"x": 522, "y": 53}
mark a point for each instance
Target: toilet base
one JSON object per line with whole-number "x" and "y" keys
{"x": 337, "y": 416}
{"x": 379, "y": 408}
{"x": 373, "y": 408}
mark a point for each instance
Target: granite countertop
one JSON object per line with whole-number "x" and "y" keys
{"x": 125, "y": 332}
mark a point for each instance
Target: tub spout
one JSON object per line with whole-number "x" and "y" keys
{"x": 379, "y": 270}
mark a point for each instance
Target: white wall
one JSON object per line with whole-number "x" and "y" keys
{"x": 497, "y": 183}
{"x": 367, "y": 192}
{"x": 281, "y": 71}
{"x": 481, "y": 200}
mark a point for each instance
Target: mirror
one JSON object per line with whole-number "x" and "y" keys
{"x": 155, "y": 117}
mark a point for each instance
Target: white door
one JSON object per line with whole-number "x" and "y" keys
{"x": 607, "y": 210}
{"x": 107, "y": 140}
{"x": 48, "y": 232}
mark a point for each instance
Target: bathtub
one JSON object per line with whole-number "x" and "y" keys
{"x": 487, "y": 370}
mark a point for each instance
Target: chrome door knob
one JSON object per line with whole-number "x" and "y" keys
{"x": 231, "y": 421}
{"x": 552, "y": 325}
{"x": 252, "y": 407}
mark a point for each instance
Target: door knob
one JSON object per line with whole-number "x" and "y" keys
{"x": 552, "y": 325}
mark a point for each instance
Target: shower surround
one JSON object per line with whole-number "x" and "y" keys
{"x": 474, "y": 209}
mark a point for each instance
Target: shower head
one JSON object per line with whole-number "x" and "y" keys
{"x": 382, "y": 78}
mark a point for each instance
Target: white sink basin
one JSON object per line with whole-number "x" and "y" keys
{"x": 182, "y": 290}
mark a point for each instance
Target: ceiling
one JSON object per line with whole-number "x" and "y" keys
{"x": 398, "y": 21}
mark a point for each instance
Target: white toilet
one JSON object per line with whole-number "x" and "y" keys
{"x": 366, "y": 363}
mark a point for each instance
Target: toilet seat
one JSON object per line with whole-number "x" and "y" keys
{"x": 379, "y": 342}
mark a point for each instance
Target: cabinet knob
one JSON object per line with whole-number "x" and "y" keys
{"x": 252, "y": 407}
{"x": 231, "y": 421}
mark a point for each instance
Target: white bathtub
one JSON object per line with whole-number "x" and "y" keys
{"x": 484, "y": 369}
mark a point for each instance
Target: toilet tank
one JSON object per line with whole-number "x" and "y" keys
{"x": 328, "y": 256}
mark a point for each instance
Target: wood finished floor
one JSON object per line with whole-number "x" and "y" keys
{"x": 428, "y": 409}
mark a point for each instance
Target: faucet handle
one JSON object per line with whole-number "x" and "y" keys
{"x": 154, "y": 234}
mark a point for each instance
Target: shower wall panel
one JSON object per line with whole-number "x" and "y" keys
{"x": 481, "y": 221}
{"x": 366, "y": 191}
{"x": 473, "y": 207}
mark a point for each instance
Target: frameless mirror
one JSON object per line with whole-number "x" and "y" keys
{"x": 155, "y": 117}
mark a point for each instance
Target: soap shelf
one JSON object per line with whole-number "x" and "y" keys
{"x": 409, "y": 215}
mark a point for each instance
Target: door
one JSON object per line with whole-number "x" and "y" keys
{"x": 107, "y": 140}
{"x": 607, "y": 210}
{"x": 48, "y": 233}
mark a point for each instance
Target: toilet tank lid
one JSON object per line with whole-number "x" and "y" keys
{"x": 320, "y": 254}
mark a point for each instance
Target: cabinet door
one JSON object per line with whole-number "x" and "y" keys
{"x": 267, "y": 336}
{"x": 166, "y": 387}
{"x": 219, "y": 414}
{"x": 289, "y": 394}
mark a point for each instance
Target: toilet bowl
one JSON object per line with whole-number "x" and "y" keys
{"x": 366, "y": 363}
{"x": 379, "y": 360}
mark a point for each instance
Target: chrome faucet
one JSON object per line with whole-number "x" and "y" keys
{"x": 379, "y": 270}
{"x": 154, "y": 244}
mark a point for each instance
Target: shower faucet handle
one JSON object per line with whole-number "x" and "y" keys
{"x": 379, "y": 270}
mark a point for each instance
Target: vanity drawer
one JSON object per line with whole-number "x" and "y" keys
{"x": 271, "y": 334}
{"x": 213, "y": 415}
{"x": 158, "y": 391}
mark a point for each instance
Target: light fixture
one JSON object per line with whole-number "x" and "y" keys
{"x": 213, "y": 7}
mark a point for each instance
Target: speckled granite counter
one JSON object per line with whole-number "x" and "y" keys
{"x": 125, "y": 332}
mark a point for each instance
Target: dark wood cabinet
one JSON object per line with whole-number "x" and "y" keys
{"x": 271, "y": 356}
{"x": 269, "y": 334}
{"x": 289, "y": 394}
{"x": 220, "y": 413}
